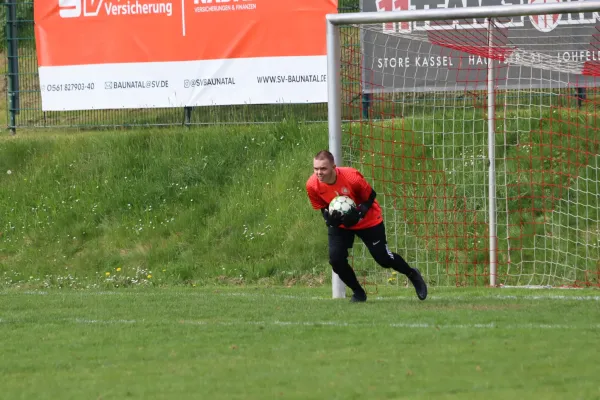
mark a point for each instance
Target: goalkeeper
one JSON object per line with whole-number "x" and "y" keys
{"x": 364, "y": 221}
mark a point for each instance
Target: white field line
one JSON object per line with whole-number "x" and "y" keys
{"x": 401, "y": 325}
{"x": 442, "y": 297}
{"x": 277, "y": 323}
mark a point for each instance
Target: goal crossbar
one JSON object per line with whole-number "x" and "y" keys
{"x": 462, "y": 13}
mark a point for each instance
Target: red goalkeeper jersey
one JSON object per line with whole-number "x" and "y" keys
{"x": 349, "y": 183}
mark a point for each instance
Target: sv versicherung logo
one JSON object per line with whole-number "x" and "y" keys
{"x": 93, "y": 8}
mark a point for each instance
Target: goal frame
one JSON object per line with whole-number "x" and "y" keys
{"x": 334, "y": 110}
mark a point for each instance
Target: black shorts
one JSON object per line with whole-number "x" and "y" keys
{"x": 340, "y": 240}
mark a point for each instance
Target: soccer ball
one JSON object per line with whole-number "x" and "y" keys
{"x": 342, "y": 204}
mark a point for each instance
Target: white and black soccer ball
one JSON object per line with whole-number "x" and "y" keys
{"x": 342, "y": 204}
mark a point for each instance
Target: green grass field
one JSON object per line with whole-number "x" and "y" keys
{"x": 261, "y": 342}
{"x": 187, "y": 263}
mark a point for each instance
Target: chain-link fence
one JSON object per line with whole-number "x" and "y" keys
{"x": 23, "y": 99}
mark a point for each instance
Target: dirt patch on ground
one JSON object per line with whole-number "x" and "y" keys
{"x": 306, "y": 280}
{"x": 477, "y": 307}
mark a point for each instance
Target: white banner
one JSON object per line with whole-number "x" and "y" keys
{"x": 184, "y": 84}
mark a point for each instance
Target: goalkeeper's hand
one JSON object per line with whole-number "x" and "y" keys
{"x": 359, "y": 212}
{"x": 333, "y": 219}
{"x": 355, "y": 215}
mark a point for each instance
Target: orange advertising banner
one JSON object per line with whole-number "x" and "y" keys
{"x": 161, "y": 53}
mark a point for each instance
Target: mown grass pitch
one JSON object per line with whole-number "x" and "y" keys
{"x": 298, "y": 343}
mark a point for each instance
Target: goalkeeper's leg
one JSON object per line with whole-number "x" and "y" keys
{"x": 340, "y": 240}
{"x": 376, "y": 241}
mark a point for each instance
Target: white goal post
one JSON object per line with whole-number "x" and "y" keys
{"x": 403, "y": 109}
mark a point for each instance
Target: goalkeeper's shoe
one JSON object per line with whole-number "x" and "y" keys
{"x": 358, "y": 297}
{"x": 420, "y": 286}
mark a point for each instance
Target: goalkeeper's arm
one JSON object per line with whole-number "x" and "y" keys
{"x": 363, "y": 208}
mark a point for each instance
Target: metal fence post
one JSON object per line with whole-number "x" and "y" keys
{"x": 13, "y": 64}
{"x": 187, "y": 116}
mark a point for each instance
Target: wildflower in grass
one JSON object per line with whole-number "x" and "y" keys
{"x": 107, "y": 273}
{"x": 119, "y": 269}
{"x": 149, "y": 276}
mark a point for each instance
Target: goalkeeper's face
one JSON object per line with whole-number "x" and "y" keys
{"x": 324, "y": 170}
